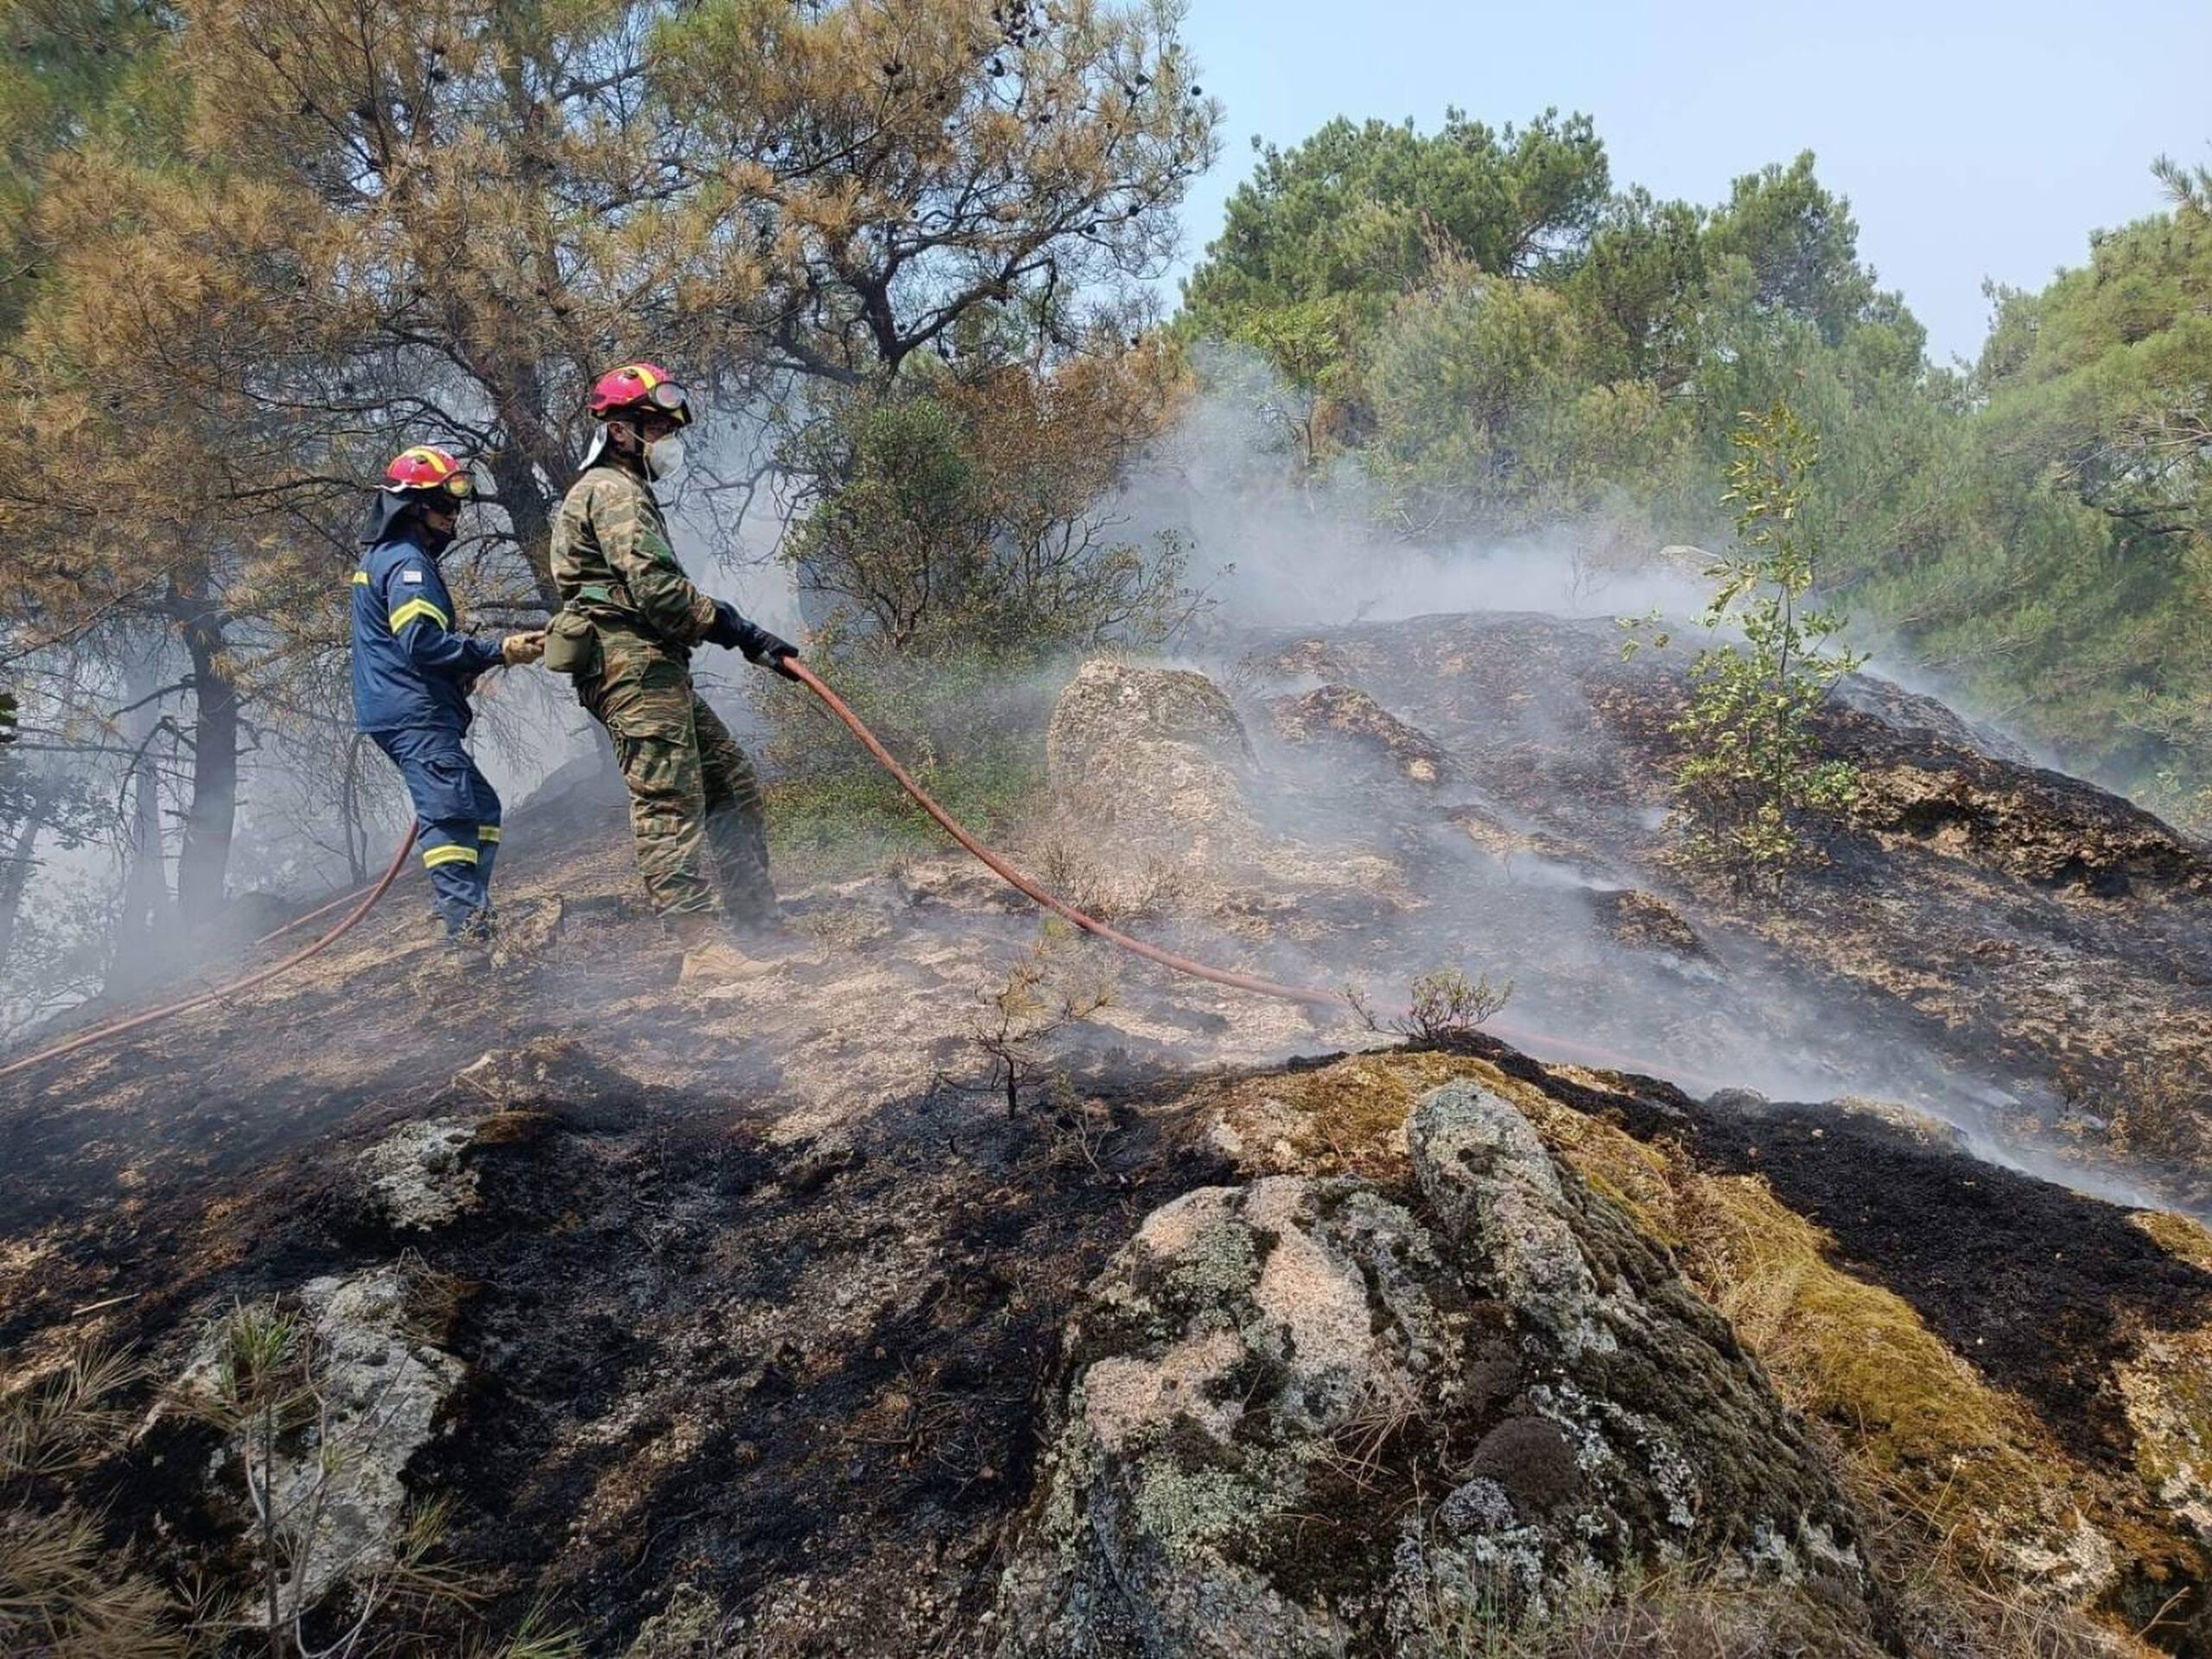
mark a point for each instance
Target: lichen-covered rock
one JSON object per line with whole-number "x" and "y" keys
{"x": 1305, "y": 1418}
{"x": 417, "y": 1178}
{"x": 363, "y": 1391}
{"x": 1157, "y": 758}
{"x": 1111, "y": 705}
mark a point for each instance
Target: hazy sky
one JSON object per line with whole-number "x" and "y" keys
{"x": 1975, "y": 140}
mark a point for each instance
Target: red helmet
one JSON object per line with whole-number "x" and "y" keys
{"x": 640, "y": 387}
{"x": 423, "y": 469}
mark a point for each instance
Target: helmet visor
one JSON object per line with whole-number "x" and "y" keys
{"x": 669, "y": 399}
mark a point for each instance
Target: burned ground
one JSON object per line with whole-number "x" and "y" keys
{"x": 2042, "y": 1290}
{"x": 762, "y": 1293}
{"x": 697, "y": 1356}
{"x": 2025, "y": 954}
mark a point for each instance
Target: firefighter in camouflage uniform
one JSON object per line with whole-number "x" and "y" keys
{"x": 629, "y": 621}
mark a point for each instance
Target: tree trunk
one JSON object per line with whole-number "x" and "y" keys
{"x": 133, "y": 960}
{"x": 16, "y": 865}
{"x": 204, "y": 860}
{"x": 530, "y": 515}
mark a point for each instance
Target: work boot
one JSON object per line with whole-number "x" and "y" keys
{"x": 719, "y": 963}
{"x": 466, "y": 934}
{"x": 768, "y": 938}
{"x": 710, "y": 955}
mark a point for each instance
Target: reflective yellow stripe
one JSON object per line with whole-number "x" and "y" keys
{"x": 488, "y": 832}
{"x": 438, "y": 856}
{"x": 360, "y": 578}
{"x": 415, "y": 607}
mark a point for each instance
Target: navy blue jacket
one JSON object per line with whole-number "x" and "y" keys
{"x": 410, "y": 669}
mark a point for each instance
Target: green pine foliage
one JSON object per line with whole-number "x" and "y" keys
{"x": 1507, "y": 343}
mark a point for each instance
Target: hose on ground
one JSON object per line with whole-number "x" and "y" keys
{"x": 1309, "y": 996}
{"x": 237, "y": 986}
{"x": 1573, "y": 1052}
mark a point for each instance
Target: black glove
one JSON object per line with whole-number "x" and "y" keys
{"x": 728, "y": 629}
{"x": 763, "y": 650}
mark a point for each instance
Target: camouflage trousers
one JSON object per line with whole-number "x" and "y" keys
{"x": 695, "y": 797}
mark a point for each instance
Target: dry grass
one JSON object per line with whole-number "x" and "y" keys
{"x": 1063, "y": 856}
{"x": 63, "y": 1592}
{"x": 2178, "y": 1236}
{"x": 435, "y": 1300}
{"x": 1941, "y": 1612}
{"x": 1852, "y": 1353}
{"x": 64, "y": 1422}
{"x": 1965, "y": 1473}
{"x": 2162, "y": 1109}
{"x": 1677, "y": 1615}
{"x": 63, "y": 1595}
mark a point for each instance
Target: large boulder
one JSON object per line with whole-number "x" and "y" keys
{"x": 1156, "y": 756}
{"x": 1307, "y": 1417}
{"x": 1111, "y": 705}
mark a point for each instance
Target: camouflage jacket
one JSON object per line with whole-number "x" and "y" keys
{"x": 612, "y": 559}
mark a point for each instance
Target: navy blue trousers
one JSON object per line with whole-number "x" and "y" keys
{"x": 457, "y": 813}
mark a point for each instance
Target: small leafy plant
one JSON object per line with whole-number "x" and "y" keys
{"x": 1749, "y": 777}
{"x": 1045, "y": 993}
{"x": 1444, "y": 1004}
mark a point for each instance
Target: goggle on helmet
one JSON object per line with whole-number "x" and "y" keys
{"x": 426, "y": 471}
{"x": 637, "y": 387}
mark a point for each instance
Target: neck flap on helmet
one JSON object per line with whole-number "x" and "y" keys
{"x": 392, "y": 514}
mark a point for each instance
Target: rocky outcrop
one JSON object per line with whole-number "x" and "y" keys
{"x": 358, "y": 1392}
{"x": 2039, "y": 827}
{"x": 1642, "y": 921}
{"x": 1352, "y": 718}
{"x": 2043, "y": 936}
{"x": 1156, "y": 756}
{"x": 417, "y": 1177}
{"x": 1910, "y": 712}
{"x": 1111, "y": 705}
{"x": 1303, "y": 1417}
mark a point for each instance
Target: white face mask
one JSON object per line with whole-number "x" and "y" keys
{"x": 664, "y": 455}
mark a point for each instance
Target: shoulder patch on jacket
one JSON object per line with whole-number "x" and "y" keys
{"x": 411, "y": 576}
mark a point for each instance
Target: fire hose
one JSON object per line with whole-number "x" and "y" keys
{"x": 237, "y": 986}
{"x": 1574, "y": 1053}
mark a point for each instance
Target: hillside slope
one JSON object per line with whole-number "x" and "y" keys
{"x": 755, "y": 1323}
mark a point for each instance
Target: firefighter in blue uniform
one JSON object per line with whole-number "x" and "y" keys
{"x": 412, "y": 672}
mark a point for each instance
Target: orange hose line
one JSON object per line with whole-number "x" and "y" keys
{"x": 1574, "y": 1053}
{"x": 313, "y": 916}
{"x": 139, "y": 1022}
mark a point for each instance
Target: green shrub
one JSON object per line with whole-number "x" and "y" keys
{"x": 1749, "y": 779}
{"x": 970, "y": 729}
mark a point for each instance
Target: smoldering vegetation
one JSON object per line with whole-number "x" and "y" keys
{"x": 1399, "y": 821}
